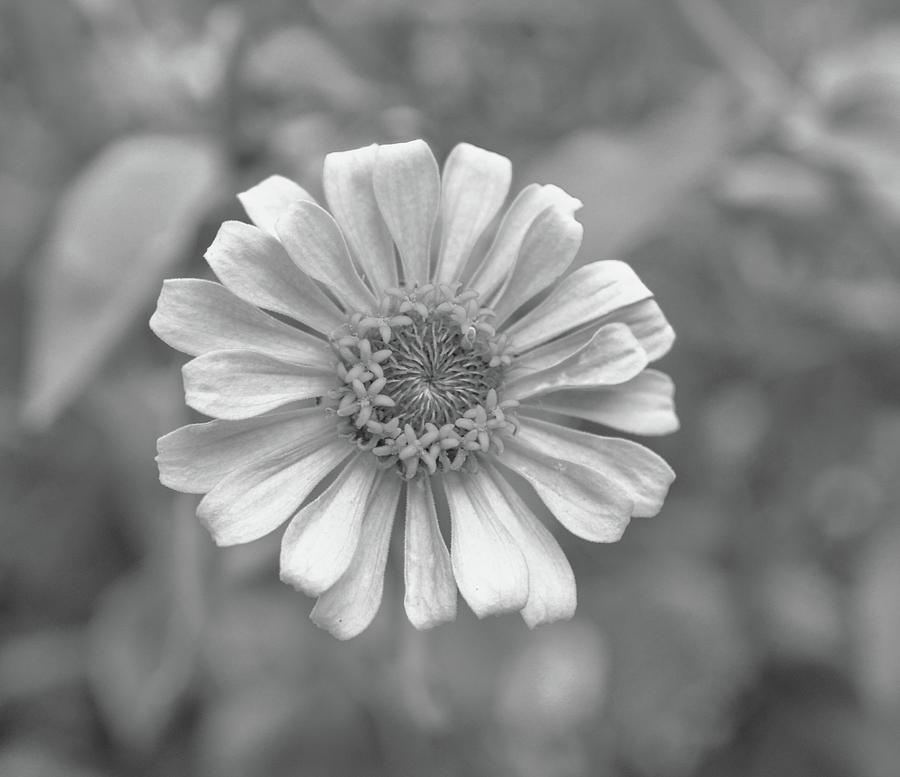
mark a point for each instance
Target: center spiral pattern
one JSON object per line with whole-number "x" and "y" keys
{"x": 419, "y": 380}
{"x": 433, "y": 377}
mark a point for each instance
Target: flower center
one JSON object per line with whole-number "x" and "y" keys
{"x": 419, "y": 381}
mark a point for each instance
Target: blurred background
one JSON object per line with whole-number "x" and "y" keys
{"x": 743, "y": 156}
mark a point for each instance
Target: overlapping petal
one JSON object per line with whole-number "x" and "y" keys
{"x": 194, "y": 458}
{"x": 548, "y": 249}
{"x": 643, "y": 405}
{"x": 349, "y": 606}
{"x": 474, "y": 186}
{"x": 489, "y": 567}
{"x": 551, "y": 582}
{"x": 501, "y": 257}
{"x": 253, "y": 265}
{"x": 584, "y": 297}
{"x": 242, "y": 384}
{"x": 321, "y": 540}
{"x": 642, "y": 475}
{"x": 259, "y": 496}
{"x": 408, "y": 191}
{"x": 196, "y": 317}
{"x": 428, "y": 574}
{"x": 347, "y": 178}
{"x": 314, "y": 241}
{"x": 266, "y": 202}
{"x": 590, "y": 504}
{"x": 612, "y": 355}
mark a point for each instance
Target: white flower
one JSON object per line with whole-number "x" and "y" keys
{"x": 426, "y": 375}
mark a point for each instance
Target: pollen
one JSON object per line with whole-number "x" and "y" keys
{"x": 420, "y": 381}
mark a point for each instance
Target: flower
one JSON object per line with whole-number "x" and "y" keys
{"x": 415, "y": 366}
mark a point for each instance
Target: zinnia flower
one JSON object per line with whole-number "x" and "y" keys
{"x": 417, "y": 369}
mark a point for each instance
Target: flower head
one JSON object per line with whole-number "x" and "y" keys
{"x": 417, "y": 363}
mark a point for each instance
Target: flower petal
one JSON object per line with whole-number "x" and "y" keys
{"x": 547, "y": 250}
{"x": 589, "y": 504}
{"x": 473, "y": 188}
{"x": 551, "y": 582}
{"x": 350, "y": 193}
{"x": 259, "y": 496}
{"x": 196, "y": 317}
{"x": 315, "y": 243}
{"x": 408, "y": 190}
{"x": 321, "y": 540}
{"x": 241, "y": 384}
{"x": 489, "y": 568}
{"x": 430, "y": 587}
{"x": 254, "y": 265}
{"x": 613, "y": 355}
{"x": 643, "y": 475}
{"x": 194, "y": 458}
{"x": 588, "y": 294}
{"x": 643, "y": 405}
{"x": 348, "y": 607}
{"x": 266, "y": 202}
{"x": 649, "y": 326}
{"x": 528, "y": 205}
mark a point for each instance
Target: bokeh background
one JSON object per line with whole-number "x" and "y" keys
{"x": 743, "y": 155}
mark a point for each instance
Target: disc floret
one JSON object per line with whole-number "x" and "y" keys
{"x": 418, "y": 380}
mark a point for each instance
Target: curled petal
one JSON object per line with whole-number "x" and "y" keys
{"x": 579, "y": 299}
{"x": 548, "y": 249}
{"x": 528, "y": 205}
{"x": 649, "y": 325}
{"x": 266, "y": 202}
{"x": 643, "y": 405}
{"x": 613, "y": 355}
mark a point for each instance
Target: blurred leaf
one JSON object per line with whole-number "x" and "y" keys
{"x": 555, "y": 680}
{"x": 679, "y": 659}
{"x": 40, "y": 662}
{"x": 777, "y": 186}
{"x": 455, "y": 10}
{"x": 877, "y": 623}
{"x": 800, "y": 612}
{"x": 133, "y": 406}
{"x": 552, "y": 688}
{"x": 119, "y": 229}
{"x": 140, "y": 663}
{"x": 632, "y": 183}
{"x": 851, "y": 118}
{"x": 299, "y": 62}
{"x": 37, "y": 760}
{"x": 22, "y": 207}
